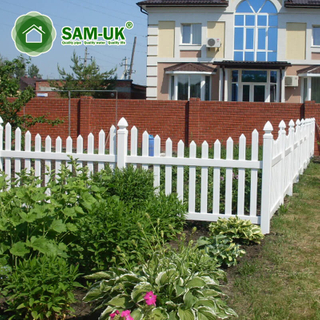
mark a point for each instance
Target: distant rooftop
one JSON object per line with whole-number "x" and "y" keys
{"x": 175, "y": 3}
{"x": 302, "y": 3}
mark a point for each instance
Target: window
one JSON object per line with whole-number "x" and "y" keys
{"x": 185, "y": 86}
{"x": 191, "y": 33}
{"x": 256, "y": 31}
{"x": 316, "y": 36}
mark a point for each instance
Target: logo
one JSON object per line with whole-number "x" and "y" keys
{"x": 33, "y": 33}
{"x": 93, "y": 36}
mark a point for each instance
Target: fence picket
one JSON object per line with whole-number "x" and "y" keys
{"x": 241, "y": 176}
{"x": 90, "y": 151}
{"x": 229, "y": 179}
{"x": 7, "y": 161}
{"x": 145, "y": 148}
{"x": 134, "y": 143}
{"x": 47, "y": 163}
{"x": 204, "y": 179}
{"x": 168, "y": 168}
{"x": 216, "y": 179}
{"x": 192, "y": 179}
{"x": 17, "y": 161}
{"x": 180, "y": 172}
{"x": 37, "y": 162}
{"x": 113, "y": 144}
{"x": 156, "y": 167}
{"x": 254, "y": 174}
{"x": 79, "y": 150}
{"x": 69, "y": 151}
{"x": 27, "y": 148}
{"x": 58, "y": 150}
{"x": 102, "y": 148}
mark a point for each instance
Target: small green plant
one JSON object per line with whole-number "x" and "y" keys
{"x": 41, "y": 288}
{"x": 240, "y": 231}
{"x": 184, "y": 281}
{"x": 221, "y": 249}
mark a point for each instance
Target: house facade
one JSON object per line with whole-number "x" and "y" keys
{"x": 236, "y": 50}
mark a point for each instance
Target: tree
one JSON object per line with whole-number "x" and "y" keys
{"x": 33, "y": 71}
{"x": 84, "y": 77}
{"x": 9, "y": 88}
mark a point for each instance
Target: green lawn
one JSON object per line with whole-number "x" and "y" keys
{"x": 281, "y": 278}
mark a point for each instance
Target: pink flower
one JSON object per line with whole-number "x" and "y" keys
{"x": 150, "y": 298}
{"x": 125, "y": 314}
{"x": 112, "y": 315}
{"x": 129, "y": 318}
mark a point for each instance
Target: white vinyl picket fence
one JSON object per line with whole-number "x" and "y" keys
{"x": 284, "y": 159}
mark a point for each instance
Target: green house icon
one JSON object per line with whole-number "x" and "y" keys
{"x": 33, "y": 34}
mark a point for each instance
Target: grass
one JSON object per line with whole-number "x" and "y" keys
{"x": 281, "y": 278}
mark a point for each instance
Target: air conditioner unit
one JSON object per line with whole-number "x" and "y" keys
{"x": 291, "y": 81}
{"x": 213, "y": 43}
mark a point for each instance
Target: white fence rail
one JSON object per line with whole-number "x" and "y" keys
{"x": 213, "y": 187}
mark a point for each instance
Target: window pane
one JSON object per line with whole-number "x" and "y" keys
{"x": 262, "y": 39}
{"x": 315, "y": 92}
{"x": 272, "y": 39}
{"x": 262, "y": 21}
{"x": 273, "y": 21}
{"x": 256, "y": 4}
{"x": 234, "y": 92}
{"x": 250, "y": 20}
{"x": 238, "y": 39}
{"x": 196, "y": 33}
{"x": 235, "y": 74}
{"x": 249, "y": 40}
{"x": 261, "y": 56}
{"x": 254, "y": 76}
{"x": 272, "y": 56}
{"x": 195, "y": 86}
{"x": 268, "y": 8}
{"x": 259, "y": 93}
{"x": 246, "y": 93}
{"x": 249, "y": 56}
{"x": 273, "y": 92}
{"x": 172, "y": 87}
{"x": 238, "y": 56}
{"x": 182, "y": 87}
{"x": 239, "y": 20}
{"x": 273, "y": 76}
{"x": 207, "y": 88}
{"x": 244, "y": 7}
{"x": 316, "y": 36}
{"x": 305, "y": 89}
{"x": 186, "y": 33}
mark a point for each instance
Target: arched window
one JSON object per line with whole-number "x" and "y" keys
{"x": 256, "y": 31}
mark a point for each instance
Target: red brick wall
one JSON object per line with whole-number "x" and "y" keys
{"x": 312, "y": 110}
{"x": 208, "y": 120}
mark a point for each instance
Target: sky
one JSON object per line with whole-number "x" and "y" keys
{"x": 73, "y": 13}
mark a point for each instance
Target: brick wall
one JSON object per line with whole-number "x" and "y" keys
{"x": 312, "y": 110}
{"x": 180, "y": 120}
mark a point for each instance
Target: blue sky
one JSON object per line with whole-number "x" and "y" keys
{"x": 80, "y": 13}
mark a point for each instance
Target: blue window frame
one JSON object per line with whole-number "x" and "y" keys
{"x": 256, "y": 31}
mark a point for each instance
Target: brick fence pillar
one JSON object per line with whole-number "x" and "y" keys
{"x": 312, "y": 110}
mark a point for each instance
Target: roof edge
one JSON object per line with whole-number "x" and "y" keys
{"x": 290, "y": 4}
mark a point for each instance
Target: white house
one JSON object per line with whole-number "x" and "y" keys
{"x": 236, "y": 50}
{"x": 33, "y": 34}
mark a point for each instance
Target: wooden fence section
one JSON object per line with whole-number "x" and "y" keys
{"x": 213, "y": 187}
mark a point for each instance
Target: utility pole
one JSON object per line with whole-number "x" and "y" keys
{"x": 125, "y": 65}
{"x": 132, "y": 56}
{"x": 85, "y": 59}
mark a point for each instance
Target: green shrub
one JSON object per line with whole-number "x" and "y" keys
{"x": 41, "y": 288}
{"x": 240, "y": 231}
{"x": 221, "y": 249}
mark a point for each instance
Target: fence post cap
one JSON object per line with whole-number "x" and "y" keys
{"x": 298, "y": 122}
{"x": 122, "y": 124}
{"x": 268, "y": 128}
{"x": 282, "y": 125}
{"x": 291, "y": 123}
{"x": 303, "y": 121}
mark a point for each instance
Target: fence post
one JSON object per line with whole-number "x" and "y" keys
{"x": 122, "y": 143}
{"x": 282, "y": 135}
{"x": 292, "y": 159}
{"x": 1, "y": 143}
{"x": 266, "y": 178}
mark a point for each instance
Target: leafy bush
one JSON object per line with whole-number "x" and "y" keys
{"x": 240, "y": 231}
{"x": 221, "y": 249}
{"x": 41, "y": 288}
{"x": 185, "y": 283}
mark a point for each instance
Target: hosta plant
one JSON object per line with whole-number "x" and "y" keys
{"x": 185, "y": 283}
{"x": 222, "y": 249}
{"x": 240, "y": 231}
